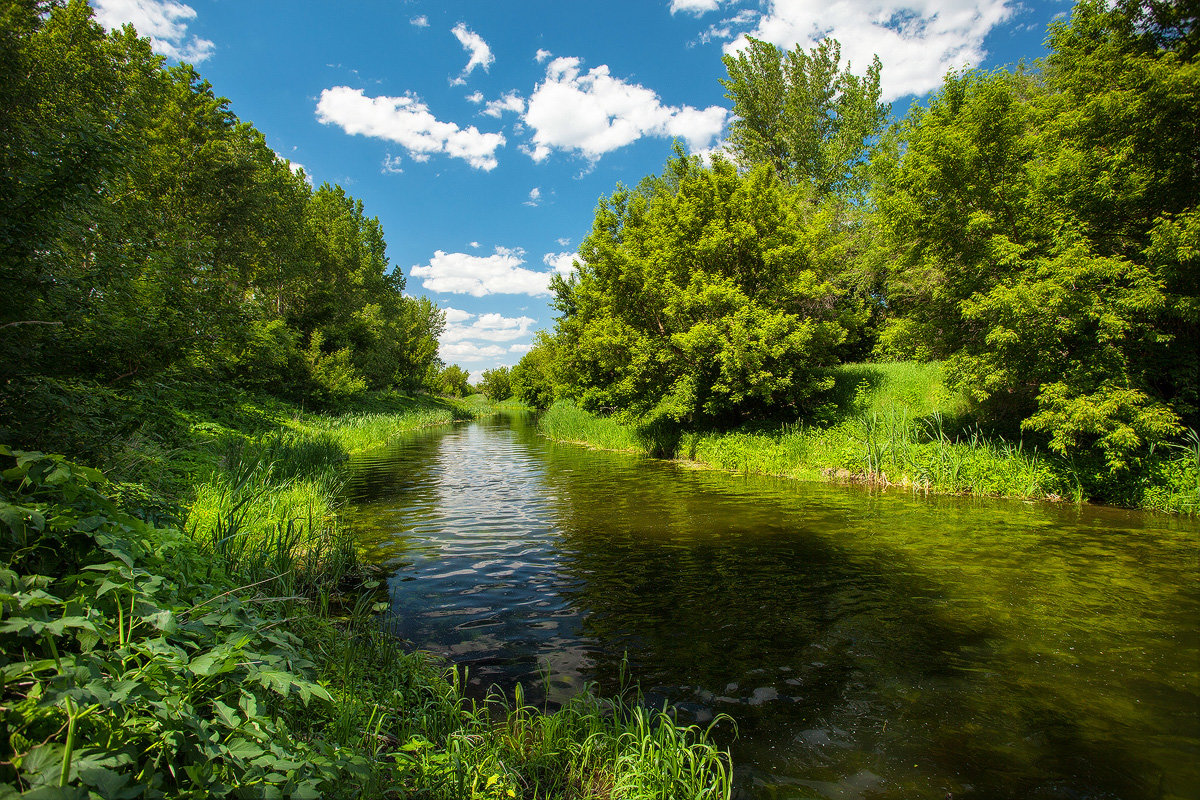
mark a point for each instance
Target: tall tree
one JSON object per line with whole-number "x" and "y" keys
{"x": 1046, "y": 228}
{"x": 699, "y": 299}
{"x": 801, "y": 114}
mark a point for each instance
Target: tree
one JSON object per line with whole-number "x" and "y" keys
{"x": 533, "y": 378}
{"x": 699, "y": 299}
{"x": 453, "y": 381}
{"x": 1046, "y": 230}
{"x": 496, "y": 384}
{"x": 803, "y": 116}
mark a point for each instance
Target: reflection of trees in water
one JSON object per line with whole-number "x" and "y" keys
{"x": 830, "y": 659}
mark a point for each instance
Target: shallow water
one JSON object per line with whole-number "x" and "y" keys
{"x": 868, "y": 645}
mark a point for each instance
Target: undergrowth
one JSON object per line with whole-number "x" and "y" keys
{"x": 897, "y": 424}
{"x": 223, "y": 642}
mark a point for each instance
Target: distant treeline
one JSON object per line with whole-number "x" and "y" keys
{"x": 1036, "y": 229}
{"x": 146, "y": 232}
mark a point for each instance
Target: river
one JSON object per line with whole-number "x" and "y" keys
{"x": 869, "y": 644}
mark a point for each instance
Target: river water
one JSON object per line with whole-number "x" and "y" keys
{"x": 869, "y": 645}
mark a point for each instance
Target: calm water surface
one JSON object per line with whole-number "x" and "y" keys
{"x": 869, "y": 645}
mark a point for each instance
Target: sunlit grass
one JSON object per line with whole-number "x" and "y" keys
{"x": 897, "y": 424}
{"x": 566, "y": 422}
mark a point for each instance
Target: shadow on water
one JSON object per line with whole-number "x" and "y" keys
{"x": 867, "y": 645}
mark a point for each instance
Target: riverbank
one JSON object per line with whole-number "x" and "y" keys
{"x": 898, "y": 425}
{"x": 196, "y": 620}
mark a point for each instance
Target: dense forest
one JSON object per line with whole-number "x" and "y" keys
{"x": 148, "y": 234}
{"x": 1036, "y": 229}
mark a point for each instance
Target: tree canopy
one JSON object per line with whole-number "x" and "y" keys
{"x": 145, "y": 230}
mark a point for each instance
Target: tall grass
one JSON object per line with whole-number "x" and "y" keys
{"x": 898, "y": 424}
{"x": 566, "y": 422}
{"x": 243, "y": 658}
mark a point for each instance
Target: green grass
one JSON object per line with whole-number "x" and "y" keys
{"x": 897, "y": 424}
{"x": 566, "y": 422}
{"x": 221, "y": 641}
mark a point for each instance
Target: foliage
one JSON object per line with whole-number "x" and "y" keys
{"x": 700, "y": 299}
{"x": 566, "y": 422}
{"x": 533, "y": 378}
{"x": 1046, "y": 229}
{"x": 797, "y": 113}
{"x": 496, "y": 384}
{"x": 146, "y": 231}
{"x": 454, "y": 381}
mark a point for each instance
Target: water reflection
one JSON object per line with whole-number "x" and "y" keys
{"x": 868, "y": 645}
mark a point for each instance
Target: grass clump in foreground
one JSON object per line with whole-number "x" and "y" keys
{"x": 237, "y": 655}
{"x": 897, "y": 424}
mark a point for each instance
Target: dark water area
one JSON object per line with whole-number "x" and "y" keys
{"x": 868, "y": 645}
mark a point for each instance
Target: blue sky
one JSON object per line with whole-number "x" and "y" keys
{"x": 482, "y": 133}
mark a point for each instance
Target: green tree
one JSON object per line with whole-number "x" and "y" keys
{"x": 496, "y": 384}
{"x": 454, "y": 381}
{"x": 700, "y": 299}
{"x": 533, "y": 378}
{"x": 1045, "y": 225}
{"x": 801, "y": 114}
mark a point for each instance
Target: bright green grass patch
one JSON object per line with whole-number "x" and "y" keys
{"x": 566, "y": 422}
{"x": 890, "y": 424}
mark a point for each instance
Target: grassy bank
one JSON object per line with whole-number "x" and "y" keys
{"x": 898, "y": 425}
{"x": 204, "y": 627}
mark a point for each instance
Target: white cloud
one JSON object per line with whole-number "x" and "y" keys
{"x": 520, "y": 348}
{"x": 563, "y": 263}
{"x": 420, "y": 22}
{"x": 391, "y": 165}
{"x": 408, "y": 122}
{"x": 164, "y": 21}
{"x": 535, "y": 197}
{"x": 564, "y": 241}
{"x": 542, "y": 55}
{"x": 475, "y": 245}
{"x": 594, "y": 113}
{"x": 473, "y": 43}
{"x": 469, "y": 351}
{"x": 487, "y": 328}
{"x": 475, "y": 97}
{"x": 696, "y": 7}
{"x": 918, "y": 41}
{"x": 499, "y": 273}
{"x": 510, "y": 101}
{"x": 456, "y": 315}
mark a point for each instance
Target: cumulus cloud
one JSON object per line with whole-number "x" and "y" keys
{"x": 421, "y": 21}
{"x": 535, "y": 197}
{"x": 541, "y": 55}
{"x": 563, "y": 263}
{"x": 696, "y": 7}
{"x": 475, "y": 97}
{"x": 469, "y": 351}
{"x": 510, "y": 101}
{"x": 408, "y": 122}
{"x": 594, "y": 113}
{"x": 473, "y": 43}
{"x": 918, "y": 41}
{"x": 164, "y": 21}
{"x": 487, "y": 328}
{"x": 520, "y": 348}
{"x": 499, "y": 273}
{"x": 456, "y": 315}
